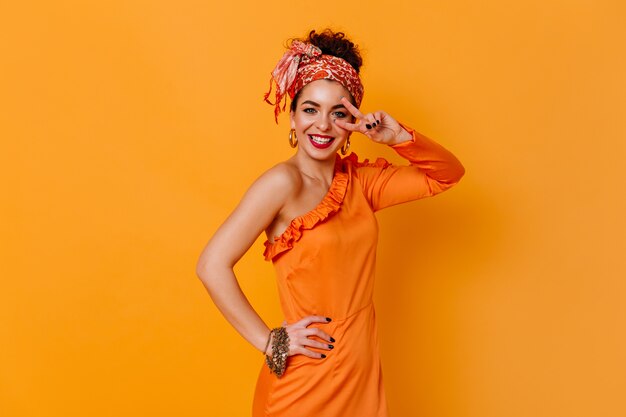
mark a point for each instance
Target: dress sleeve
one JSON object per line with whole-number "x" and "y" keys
{"x": 432, "y": 170}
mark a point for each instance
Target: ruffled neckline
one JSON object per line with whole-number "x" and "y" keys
{"x": 354, "y": 160}
{"x": 330, "y": 204}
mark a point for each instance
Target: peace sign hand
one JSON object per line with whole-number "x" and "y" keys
{"x": 378, "y": 126}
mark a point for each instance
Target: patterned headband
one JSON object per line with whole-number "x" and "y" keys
{"x": 304, "y": 63}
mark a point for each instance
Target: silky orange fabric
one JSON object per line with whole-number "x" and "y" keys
{"x": 325, "y": 262}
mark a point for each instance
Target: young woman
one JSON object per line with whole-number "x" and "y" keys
{"x": 317, "y": 211}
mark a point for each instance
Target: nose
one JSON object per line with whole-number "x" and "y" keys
{"x": 324, "y": 122}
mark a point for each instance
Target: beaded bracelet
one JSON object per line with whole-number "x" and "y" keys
{"x": 280, "y": 349}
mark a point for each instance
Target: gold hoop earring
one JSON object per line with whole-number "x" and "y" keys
{"x": 292, "y": 134}
{"x": 344, "y": 148}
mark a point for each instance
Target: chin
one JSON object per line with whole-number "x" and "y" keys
{"x": 322, "y": 155}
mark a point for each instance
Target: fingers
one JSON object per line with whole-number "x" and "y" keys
{"x": 377, "y": 116}
{"x": 372, "y": 121}
{"x": 352, "y": 127}
{"x": 299, "y": 347}
{"x": 313, "y": 319}
{"x": 352, "y": 109}
{"x": 299, "y": 336}
{"x": 316, "y": 344}
{"x": 368, "y": 123}
{"x": 320, "y": 333}
{"x": 311, "y": 354}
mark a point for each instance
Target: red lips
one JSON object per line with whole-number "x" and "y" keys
{"x": 321, "y": 145}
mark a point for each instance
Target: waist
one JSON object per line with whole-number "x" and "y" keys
{"x": 355, "y": 312}
{"x": 351, "y": 315}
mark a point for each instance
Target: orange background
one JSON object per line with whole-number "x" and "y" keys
{"x": 130, "y": 129}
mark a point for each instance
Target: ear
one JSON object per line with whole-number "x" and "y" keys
{"x": 291, "y": 119}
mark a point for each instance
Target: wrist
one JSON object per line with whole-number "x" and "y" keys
{"x": 277, "y": 362}
{"x": 401, "y": 137}
{"x": 268, "y": 344}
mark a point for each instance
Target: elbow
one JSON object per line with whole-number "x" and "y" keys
{"x": 208, "y": 277}
{"x": 204, "y": 268}
{"x": 201, "y": 270}
{"x": 209, "y": 268}
{"x": 453, "y": 178}
{"x": 460, "y": 172}
{"x": 457, "y": 171}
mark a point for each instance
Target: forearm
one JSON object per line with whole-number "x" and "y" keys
{"x": 224, "y": 289}
{"x": 433, "y": 159}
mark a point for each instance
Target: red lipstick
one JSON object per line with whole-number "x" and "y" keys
{"x": 321, "y": 141}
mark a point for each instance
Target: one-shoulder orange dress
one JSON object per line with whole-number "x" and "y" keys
{"x": 325, "y": 262}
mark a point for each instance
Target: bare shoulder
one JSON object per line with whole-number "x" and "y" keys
{"x": 280, "y": 181}
{"x": 260, "y": 205}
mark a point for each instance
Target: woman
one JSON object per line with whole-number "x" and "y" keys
{"x": 317, "y": 210}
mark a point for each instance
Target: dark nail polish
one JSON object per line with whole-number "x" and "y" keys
{"x": 332, "y": 340}
{"x": 377, "y": 121}
{"x": 369, "y": 126}
{"x": 328, "y": 319}
{"x": 331, "y": 347}
{"x": 323, "y": 356}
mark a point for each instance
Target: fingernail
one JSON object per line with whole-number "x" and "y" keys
{"x": 377, "y": 121}
{"x": 323, "y": 356}
{"x": 369, "y": 126}
{"x": 328, "y": 319}
{"x": 331, "y": 347}
{"x": 332, "y": 340}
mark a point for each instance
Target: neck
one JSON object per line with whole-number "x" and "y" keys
{"x": 322, "y": 170}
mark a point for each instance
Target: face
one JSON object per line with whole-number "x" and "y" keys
{"x": 313, "y": 119}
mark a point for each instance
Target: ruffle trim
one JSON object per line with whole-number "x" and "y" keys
{"x": 330, "y": 204}
{"x": 379, "y": 162}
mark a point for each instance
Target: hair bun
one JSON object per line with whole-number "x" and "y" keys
{"x": 336, "y": 44}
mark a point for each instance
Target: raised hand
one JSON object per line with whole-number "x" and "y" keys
{"x": 299, "y": 337}
{"x": 378, "y": 126}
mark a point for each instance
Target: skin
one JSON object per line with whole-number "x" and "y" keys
{"x": 285, "y": 191}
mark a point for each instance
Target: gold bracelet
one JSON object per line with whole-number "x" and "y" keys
{"x": 280, "y": 350}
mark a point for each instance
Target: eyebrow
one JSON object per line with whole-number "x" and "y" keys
{"x": 312, "y": 103}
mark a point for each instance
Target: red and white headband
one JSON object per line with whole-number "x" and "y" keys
{"x": 304, "y": 63}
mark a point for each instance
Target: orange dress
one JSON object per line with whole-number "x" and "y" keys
{"x": 325, "y": 262}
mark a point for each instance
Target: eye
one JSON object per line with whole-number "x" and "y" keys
{"x": 308, "y": 110}
{"x": 340, "y": 114}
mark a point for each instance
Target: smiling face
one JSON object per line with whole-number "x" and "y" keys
{"x": 319, "y": 104}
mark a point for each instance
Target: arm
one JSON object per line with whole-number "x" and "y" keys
{"x": 432, "y": 170}
{"x": 259, "y": 206}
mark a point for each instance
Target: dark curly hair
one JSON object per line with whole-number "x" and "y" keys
{"x": 331, "y": 43}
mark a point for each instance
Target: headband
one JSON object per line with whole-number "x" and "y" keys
{"x": 304, "y": 63}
